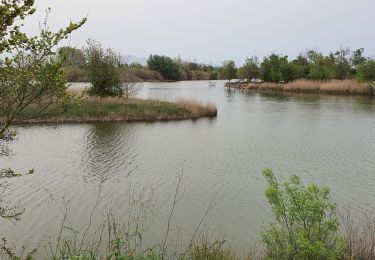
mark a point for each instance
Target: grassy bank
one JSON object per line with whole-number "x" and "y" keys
{"x": 338, "y": 87}
{"x": 110, "y": 109}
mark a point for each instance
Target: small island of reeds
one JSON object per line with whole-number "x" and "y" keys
{"x": 115, "y": 109}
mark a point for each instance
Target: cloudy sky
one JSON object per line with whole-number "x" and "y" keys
{"x": 211, "y": 31}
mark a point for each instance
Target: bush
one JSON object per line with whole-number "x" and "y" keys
{"x": 229, "y": 70}
{"x": 319, "y": 73}
{"x": 147, "y": 74}
{"x": 103, "y": 70}
{"x": 167, "y": 67}
{"x": 306, "y": 225}
{"x": 366, "y": 71}
{"x": 272, "y": 68}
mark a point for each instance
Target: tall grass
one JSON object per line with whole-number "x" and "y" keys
{"x": 346, "y": 87}
{"x": 113, "y": 109}
{"x": 359, "y": 234}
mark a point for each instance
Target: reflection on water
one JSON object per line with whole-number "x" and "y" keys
{"x": 108, "y": 150}
{"x": 325, "y": 139}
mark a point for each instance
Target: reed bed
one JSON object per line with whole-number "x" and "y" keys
{"x": 339, "y": 87}
{"x": 359, "y": 235}
{"x": 198, "y": 107}
{"x": 113, "y": 109}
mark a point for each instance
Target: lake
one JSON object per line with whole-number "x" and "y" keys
{"x": 329, "y": 140}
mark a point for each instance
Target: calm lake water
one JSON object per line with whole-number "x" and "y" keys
{"x": 329, "y": 140}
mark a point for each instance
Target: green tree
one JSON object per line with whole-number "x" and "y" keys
{"x": 271, "y": 69}
{"x": 357, "y": 58}
{"x": 229, "y": 70}
{"x": 103, "y": 70}
{"x": 250, "y": 70}
{"x": 30, "y": 73}
{"x": 302, "y": 68}
{"x": 305, "y": 223}
{"x": 319, "y": 72}
{"x": 72, "y": 57}
{"x": 366, "y": 71}
{"x": 167, "y": 67}
{"x": 30, "y": 76}
{"x": 342, "y": 64}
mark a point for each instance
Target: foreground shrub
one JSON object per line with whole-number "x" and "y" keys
{"x": 306, "y": 225}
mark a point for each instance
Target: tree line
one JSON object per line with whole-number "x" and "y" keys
{"x": 341, "y": 64}
{"x": 158, "y": 67}
{"x": 313, "y": 65}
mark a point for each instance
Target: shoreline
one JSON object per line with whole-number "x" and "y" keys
{"x": 117, "y": 110}
{"x": 333, "y": 87}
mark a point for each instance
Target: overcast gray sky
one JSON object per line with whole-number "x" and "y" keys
{"x": 211, "y": 31}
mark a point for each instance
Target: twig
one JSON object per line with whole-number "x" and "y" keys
{"x": 91, "y": 214}
{"x": 172, "y": 210}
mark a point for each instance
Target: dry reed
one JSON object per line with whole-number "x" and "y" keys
{"x": 346, "y": 87}
{"x": 359, "y": 235}
{"x": 198, "y": 107}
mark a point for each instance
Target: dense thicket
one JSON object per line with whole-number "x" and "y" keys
{"x": 167, "y": 67}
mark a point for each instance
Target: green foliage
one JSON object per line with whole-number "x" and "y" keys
{"x": 11, "y": 11}
{"x": 342, "y": 66}
{"x": 358, "y": 58}
{"x": 229, "y": 70}
{"x": 167, "y": 67}
{"x": 10, "y": 254}
{"x": 29, "y": 72}
{"x": 319, "y": 73}
{"x": 250, "y": 70}
{"x": 272, "y": 68}
{"x": 306, "y": 225}
{"x": 366, "y": 71}
{"x": 103, "y": 70}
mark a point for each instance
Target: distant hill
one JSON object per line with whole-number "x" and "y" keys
{"x": 133, "y": 59}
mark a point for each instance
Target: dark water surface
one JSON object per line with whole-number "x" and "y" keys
{"x": 329, "y": 140}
